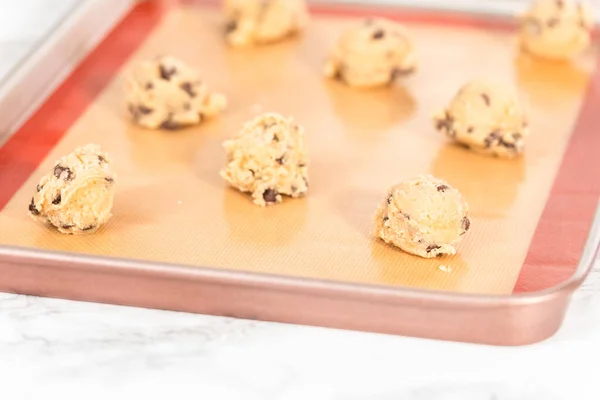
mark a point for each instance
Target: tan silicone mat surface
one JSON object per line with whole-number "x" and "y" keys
{"x": 172, "y": 206}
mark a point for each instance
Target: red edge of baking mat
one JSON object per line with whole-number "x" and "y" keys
{"x": 25, "y": 150}
{"x": 562, "y": 230}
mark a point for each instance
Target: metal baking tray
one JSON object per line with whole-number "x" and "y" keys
{"x": 180, "y": 239}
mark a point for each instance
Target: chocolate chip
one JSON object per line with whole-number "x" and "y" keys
{"x": 67, "y": 226}
{"x": 294, "y": 188}
{"x": 486, "y": 99}
{"x": 552, "y": 22}
{"x": 466, "y": 224}
{"x": 167, "y": 73}
{"x": 279, "y": 160}
{"x": 398, "y": 72}
{"x": 251, "y": 171}
{"x": 169, "y": 124}
{"x": 101, "y": 159}
{"x": 275, "y": 138}
{"x": 87, "y": 228}
{"x": 137, "y": 111}
{"x": 149, "y": 86}
{"x": 385, "y": 219}
{"x": 57, "y": 200}
{"x": 443, "y": 124}
{"x": 270, "y": 196}
{"x": 507, "y": 145}
{"x": 32, "y": 208}
{"x": 109, "y": 179}
{"x": 499, "y": 140}
{"x": 389, "y": 200}
{"x": 442, "y": 188}
{"x": 188, "y": 88}
{"x": 470, "y": 129}
{"x": 406, "y": 215}
{"x": 339, "y": 73}
{"x": 404, "y": 71}
{"x": 432, "y": 247}
{"x": 301, "y": 165}
{"x": 38, "y": 188}
{"x": 446, "y": 125}
{"x": 231, "y": 26}
{"x": 378, "y": 34}
{"x": 305, "y": 181}
{"x": 63, "y": 173}
{"x": 143, "y": 110}
{"x": 492, "y": 137}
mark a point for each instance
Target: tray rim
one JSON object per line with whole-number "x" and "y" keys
{"x": 59, "y": 54}
{"x": 21, "y": 256}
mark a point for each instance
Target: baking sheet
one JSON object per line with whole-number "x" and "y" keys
{"x": 172, "y": 206}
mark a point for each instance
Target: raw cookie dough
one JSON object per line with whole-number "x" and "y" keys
{"x": 486, "y": 118}
{"x": 268, "y": 158}
{"x": 252, "y": 22}
{"x": 374, "y": 53}
{"x": 556, "y": 29}
{"x": 77, "y": 195}
{"x": 424, "y": 216}
{"x": 165, "y": 93}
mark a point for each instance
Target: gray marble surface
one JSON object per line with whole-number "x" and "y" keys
{"x": 70, "y": 350}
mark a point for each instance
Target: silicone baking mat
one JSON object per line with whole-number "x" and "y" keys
{"x": 530, "y": 216}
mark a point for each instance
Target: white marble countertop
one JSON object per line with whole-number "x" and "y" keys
{"x": 71, "y": 350}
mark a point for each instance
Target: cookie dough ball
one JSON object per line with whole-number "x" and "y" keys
{"x": 268, "y": 159}
{"x": 76, "y": 196}
{"x": 251, "y": 22}
{"x": 374, "y": 53}
{"x": 556, "y": 29}
{"x": 424, "y": 216}
{"x": 487, "y": 118}
{"x": 165, "y": 93}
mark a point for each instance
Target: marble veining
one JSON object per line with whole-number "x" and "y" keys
{"x": 114, "y": 350}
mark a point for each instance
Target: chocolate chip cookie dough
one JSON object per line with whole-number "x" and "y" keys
{"x": 556, "y": 29}
{"x": 76, "y": 196}
{"x": 424, "y": 216}
{"x": 254, "y": 22}
{"x": 165, "y": 93}
{"x": 373, "y": 53}
{"x": 486, "y": 118}
{"x": 268, "y": 158}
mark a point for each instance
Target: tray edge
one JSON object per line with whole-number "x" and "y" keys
{"x": 30, "y": 84}
{"x": 48, "y": 271}
{"x": 486, "y": 319}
